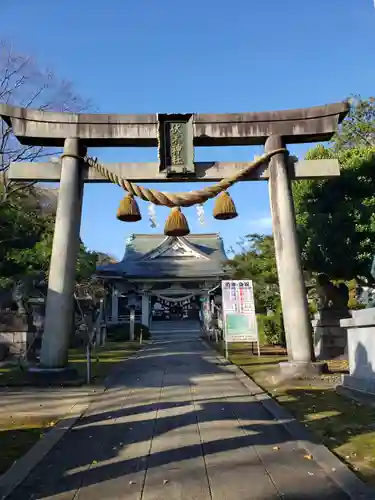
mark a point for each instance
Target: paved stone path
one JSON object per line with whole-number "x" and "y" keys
{"x": 177, "y": 425}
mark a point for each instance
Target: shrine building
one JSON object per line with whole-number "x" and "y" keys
{"x": 165, "y": 278}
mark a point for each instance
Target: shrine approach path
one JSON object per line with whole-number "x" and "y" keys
{"x": 177, "y": 424}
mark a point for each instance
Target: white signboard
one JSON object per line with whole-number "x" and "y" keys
{"x": 240, "y": 324}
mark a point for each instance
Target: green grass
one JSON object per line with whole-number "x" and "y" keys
{"x": 346, "y": 427}
{"x": 104, "y": 359}
{"x": 17, "y": 437}
{"x": 11, "y": 375}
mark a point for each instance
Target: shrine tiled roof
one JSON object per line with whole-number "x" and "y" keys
{"x": 159, "y": 256}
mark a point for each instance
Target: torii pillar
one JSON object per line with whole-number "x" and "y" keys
{"x": 298, "y": 329}
{"x": 273, "y": 128}
{"x": 62, "y": 274}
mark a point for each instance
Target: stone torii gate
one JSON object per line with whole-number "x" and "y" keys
{"x": 76, "y": 132}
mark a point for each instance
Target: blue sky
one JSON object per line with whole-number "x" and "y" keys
{"x": 149, "y": 56}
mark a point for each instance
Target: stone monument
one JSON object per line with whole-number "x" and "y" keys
{"x": 330, "y": 338}
{"x": 361, "y": 348}
{"x": 16, "y": 323}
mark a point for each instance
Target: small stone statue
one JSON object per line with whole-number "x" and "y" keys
{"x": 14, "y": 301}
{"x": 331, "y": 297}
{"x": 19, "y": 297}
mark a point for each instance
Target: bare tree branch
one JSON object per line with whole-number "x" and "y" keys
{"x": 23, "y": 83}
{"x": 20, "y": 188}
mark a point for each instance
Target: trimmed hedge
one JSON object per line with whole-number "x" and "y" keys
{"x": 273, "y": 328}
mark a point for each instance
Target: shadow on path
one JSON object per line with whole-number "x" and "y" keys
{"x": 176, "y": 411}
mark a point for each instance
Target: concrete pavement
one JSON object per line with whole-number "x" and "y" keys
{"x": 177, "y": 425}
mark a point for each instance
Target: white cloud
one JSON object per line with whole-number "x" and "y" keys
{"x": 262, "y": 223}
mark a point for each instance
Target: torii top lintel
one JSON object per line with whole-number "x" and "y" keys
{"x": 48, "y": 128}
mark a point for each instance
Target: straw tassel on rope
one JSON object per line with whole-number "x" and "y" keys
{"x": 129, "y": 210}
{"x": 176, "y": 224}
{"x": 224, "y": 208}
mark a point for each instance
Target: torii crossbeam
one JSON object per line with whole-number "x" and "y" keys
{"x": 76, "y": 132}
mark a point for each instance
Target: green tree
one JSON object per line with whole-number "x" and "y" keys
{"x": 26, "y": 245}
{"x": 336, "y": 217}
{"x": 25, "y": 241}
{"x": 256, "y": 261}
{"x": 358, "y": 128}
{"x": 86, "y": 263}
{"x": 104, "y": 259}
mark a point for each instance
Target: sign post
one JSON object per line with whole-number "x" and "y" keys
{"x": 239, "y": 318}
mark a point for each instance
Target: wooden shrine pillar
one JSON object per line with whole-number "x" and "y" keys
{"x": 114, "y": 304}
{"x": 146, "y": 308}
{"x": 298, "y": 330}
{"x": 62, "y": 274}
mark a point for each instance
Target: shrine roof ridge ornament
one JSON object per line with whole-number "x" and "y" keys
{"x": 49, "y": 128}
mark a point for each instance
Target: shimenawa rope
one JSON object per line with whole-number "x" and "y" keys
{"x": 187, "y": 199}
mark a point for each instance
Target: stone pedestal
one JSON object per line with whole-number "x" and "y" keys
{"x": 361, "y": 351}
{"x": 52, "y": 376}
{"x": 16, "y": 332}
{"x": 330, "y": 338}
{"x": 301, "y": 369}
